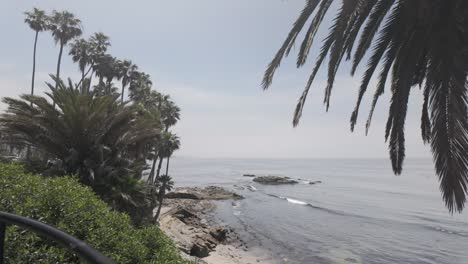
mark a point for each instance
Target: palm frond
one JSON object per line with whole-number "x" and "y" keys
{"x": 376, "y": 17}
{"x": 286, "y": 47}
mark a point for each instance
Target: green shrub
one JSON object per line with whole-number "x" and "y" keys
{"x": 64, "y": 203}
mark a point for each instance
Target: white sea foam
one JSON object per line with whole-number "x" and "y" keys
{"x": 250, "y": 187}
{"x": 296, "y": 201}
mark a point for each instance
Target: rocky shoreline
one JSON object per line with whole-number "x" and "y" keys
{"x": 187, "y": 218}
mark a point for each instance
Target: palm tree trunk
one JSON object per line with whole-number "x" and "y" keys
{"x": 109, "y": 86}
{"x": 28, "y": 151}
{"x": 122, "y": 94}
{"x": 34, "y": 64}
{"x": 58, "y": 64}
{"x": 58, "y": 68}
{"x": 90, "y": 80}
{"x": 167, "y": 165}
{"x": 159, "y": 168}
{"x": 153, "y": 168}
{"x": 162, "y": 193}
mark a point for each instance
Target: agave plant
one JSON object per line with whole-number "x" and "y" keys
{"x": 417, "y": 43}
{"x": 92, "y": 136}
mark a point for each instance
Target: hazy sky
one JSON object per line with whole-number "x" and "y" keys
{"x": 209, "y": 55}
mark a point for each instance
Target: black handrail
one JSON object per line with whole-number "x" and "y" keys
{"x": 79, "y": 247}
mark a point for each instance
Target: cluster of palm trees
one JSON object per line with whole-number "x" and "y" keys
{"x": 91, "y": 130}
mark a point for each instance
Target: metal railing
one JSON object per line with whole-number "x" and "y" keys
{"x": 80, "y": 248}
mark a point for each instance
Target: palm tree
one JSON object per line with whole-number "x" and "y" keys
{"x": 103, "y": 67}
{"x": 174, "y": 144}
{"x": 100, "y": 43}
{"x": 417, "y": 42}
{"x": 64, "y": 27}
{"x": 170, "y": 112}
{"x": 92, "y": 136}
{"x": 166, "y": 185}
{"x": 139, "y": 87}
{"x": 164, "y": 147}
{"x": 37, "y": 21}
{"x": 127, "y": 69}
{"x": 81, "y": 51}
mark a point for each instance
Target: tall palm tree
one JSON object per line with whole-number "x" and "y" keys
{"x": 102, "y": 67}
{"x": 174, "y": 144}
{"x": 99, "y": 44}
{"x": 64, "y": 27}
{"x": 37, "y": 21}
{"x": 139, "y": 87}
{"x": 170, "y": 112}
{"x": 108, "y": 68}
{"x": 81, "y": 51}
{"x": 166, "y": 144}
{"x": 416, "y": 42}
{"x": 166, "y": 185}
{"x": 127, "y": 70}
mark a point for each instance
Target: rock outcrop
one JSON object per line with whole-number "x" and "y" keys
{"x": 186, "y": 218}
{"x": 274, "y": 180}
{"x": 207, "y": 193}
{"x": 315, "y": 182}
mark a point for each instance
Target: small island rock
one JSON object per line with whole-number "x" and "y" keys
{"x": 274, "y": 180}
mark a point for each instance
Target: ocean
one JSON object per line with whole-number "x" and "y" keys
{"x": 360, "y": 213}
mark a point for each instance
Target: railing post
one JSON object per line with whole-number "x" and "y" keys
{"x": 2, "y": 240}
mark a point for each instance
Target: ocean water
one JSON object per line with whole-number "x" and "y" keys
{"x": 360, "y": 213}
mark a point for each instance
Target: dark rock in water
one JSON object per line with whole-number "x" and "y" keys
{"x": 219, "y": 233}
{"x": 200, "y": 249}
{"x": 249, "y": 175}
{"x": 207, "y": 193}
{"x": 274, "y": 180}
{"x": 182, "y": 195}
{"x": 315, "y": 182}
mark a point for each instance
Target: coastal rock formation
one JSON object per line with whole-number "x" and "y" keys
{"x": 207, "y": 193}
{"x": 274, "y": 180}
{"x": 315, "y": 182}
{"x": 182, "y": 195}
{"x": 219, "y": 233}
{"x": 187, "y": 219}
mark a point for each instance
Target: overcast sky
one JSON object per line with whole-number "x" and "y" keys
{"x": 209, "y": 55}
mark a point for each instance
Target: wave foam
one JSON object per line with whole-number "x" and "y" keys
{"x": 296, "y": 201}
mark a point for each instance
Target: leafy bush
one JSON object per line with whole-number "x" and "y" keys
{"x": 64, "y": 203}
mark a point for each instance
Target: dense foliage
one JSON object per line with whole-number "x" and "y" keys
{"x": 93, "y": 137}
{"x": 417, "y": 43}
{"x": 66, "y": 204}
{"x": 87, "y": 128}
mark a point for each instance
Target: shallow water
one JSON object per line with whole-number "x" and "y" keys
{"x": 360, "y": 213}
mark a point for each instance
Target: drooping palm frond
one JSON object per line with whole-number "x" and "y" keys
{"x": 289, "y": 42}
{"x": 415, "y": 42}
